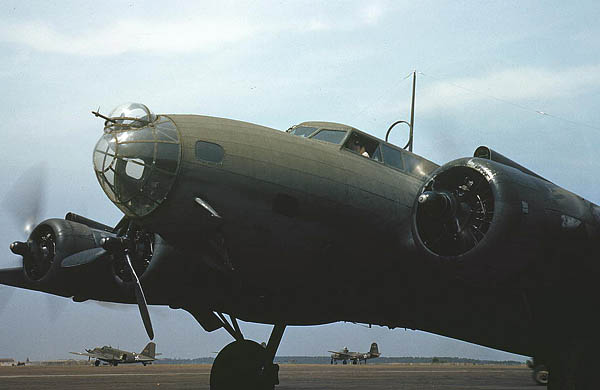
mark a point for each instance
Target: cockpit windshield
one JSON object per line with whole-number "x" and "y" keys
{"x": 316, "y": 131}
{"x": 333, "y": 136}
{"x": 302, "y": 131}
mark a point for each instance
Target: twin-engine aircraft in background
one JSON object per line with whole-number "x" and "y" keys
{"x": 228, "y": 217}
{"x": 114, "y": 356}
{"x": 355, "y": 357}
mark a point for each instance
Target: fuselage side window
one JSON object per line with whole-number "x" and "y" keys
{"x": 302, "y": 131}
{"x": 333, "y": 136}
{"x": 210, "y": 152}
{"x": 392, "y": 157}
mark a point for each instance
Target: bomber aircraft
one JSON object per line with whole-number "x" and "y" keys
{"x": 355, "y": 357}
{"x": 114, "y": 356}
{"x": 224, "y": 217}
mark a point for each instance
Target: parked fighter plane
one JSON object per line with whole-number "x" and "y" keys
{"x": 355, "y": 357}
{"x": 115, "y": 356}
{"x": 223, "y": 216}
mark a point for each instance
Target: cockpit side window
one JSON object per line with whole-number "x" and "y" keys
{"x": 392, "y": 157}
{"x": 333, "y": 136}
{"x": 302, "y": 131}
{"x": 377, "y": 154}
{"x": 365, "y": 146}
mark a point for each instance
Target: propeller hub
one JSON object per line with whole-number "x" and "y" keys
{"x": 20, "y": 248}
{"x": 454, "y": 211}
{"x": 437, "y": 205}
{"x": 114, "y": 244}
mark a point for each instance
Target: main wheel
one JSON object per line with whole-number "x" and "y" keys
{"x": 540, "y": 375}
{"x": 97, "y": 363}
{"x": 242, "y": 365}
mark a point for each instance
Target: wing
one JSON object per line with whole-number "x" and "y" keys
{"x": 340, "y": 355}
{"x": 85, "y": 273}
{"x": 16, "y": 277}
{"x": 12, "y": 277}
{"x": 97, "y": 356}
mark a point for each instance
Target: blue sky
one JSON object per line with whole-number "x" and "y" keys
{"x": 522, "y": 77}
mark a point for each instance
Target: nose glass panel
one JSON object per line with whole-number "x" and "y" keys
{"x": 137, "y": 166}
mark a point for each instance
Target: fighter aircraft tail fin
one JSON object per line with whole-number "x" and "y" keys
{"x": 149, "y": 350}
{"x": 374, "y": 349}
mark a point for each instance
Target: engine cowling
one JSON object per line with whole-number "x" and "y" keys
{"x": 67, "y": 258}
{"x": 483, "y": 217}
{"x": 50, "y": 243}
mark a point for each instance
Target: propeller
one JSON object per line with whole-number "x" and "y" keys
{"x": 23, "y": 203}
{"x": 125, "y": 246}
{"x": 5, "y": 295}
{"x": 455, "y": 211}
{"x": 25, "y": 199}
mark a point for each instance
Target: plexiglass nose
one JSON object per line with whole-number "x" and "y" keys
{"x": 137, "y": 159}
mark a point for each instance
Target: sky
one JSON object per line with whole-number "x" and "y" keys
{"x": 522, "y": 77}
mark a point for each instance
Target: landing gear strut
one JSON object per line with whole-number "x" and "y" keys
{"x": 245, "y": 364}
{"x": 574, "y": 368}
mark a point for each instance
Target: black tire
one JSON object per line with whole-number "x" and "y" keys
{"x": 241, "y": 365}
{"x": 97, "y": 363}
{"x": 540, "y": 375}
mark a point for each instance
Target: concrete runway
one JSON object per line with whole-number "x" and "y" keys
{"x": 292, "y": 376}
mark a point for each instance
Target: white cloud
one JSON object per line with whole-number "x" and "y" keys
{"x": 517, "y": 86}
{"x": 189, "y": 31}
{"x": 131, "y": 35}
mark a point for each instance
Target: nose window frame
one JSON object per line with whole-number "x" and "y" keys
{"x": 138, "y": 194}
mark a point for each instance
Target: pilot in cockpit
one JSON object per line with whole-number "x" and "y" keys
{"x": 359, "y": 148}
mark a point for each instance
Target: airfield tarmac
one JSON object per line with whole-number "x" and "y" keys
{"x": 292, "y": 376}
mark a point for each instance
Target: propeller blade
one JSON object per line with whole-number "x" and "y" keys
{"x": 5, "y": 295}
{"x": 24, "y": 200}
{"x": 141, "y": 299}
{"x": 84, "y": 257}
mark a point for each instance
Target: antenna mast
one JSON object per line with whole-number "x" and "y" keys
{"x": 409, "y": 144}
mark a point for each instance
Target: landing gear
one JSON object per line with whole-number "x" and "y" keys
{"x": 574, "y": 367}
{"x": 540, "y": 375}
{"x": 97, "y": 363}
{"x": 245, "y": 364}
